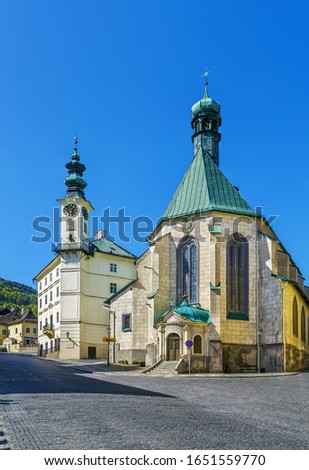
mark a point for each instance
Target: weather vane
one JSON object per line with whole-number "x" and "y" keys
{"x": 75, "y": 142}
{"x": 205, "y": 76}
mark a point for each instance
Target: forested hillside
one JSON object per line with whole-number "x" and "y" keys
{"x": 14, "y": 294}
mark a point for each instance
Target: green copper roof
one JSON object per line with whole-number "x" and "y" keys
{"x": 205, "y": 188}
{"x": 190, "y": 313}
{"x": 74, "y": 181}
{"x": 205, "y": 104}
{"x": 104, "y": 245}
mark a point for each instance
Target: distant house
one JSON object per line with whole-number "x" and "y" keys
{"x": 17, "y": 329}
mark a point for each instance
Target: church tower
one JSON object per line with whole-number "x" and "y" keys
{"x": 75, "y": 208}
{"x": 206, "y": 120}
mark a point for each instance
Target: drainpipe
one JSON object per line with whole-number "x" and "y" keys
{"x": 257, "y": 326}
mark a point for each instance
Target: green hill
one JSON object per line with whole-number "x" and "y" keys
{"x": 14, "y": 294}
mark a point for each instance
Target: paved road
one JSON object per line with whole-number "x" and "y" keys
{"x": 48, "y": 405}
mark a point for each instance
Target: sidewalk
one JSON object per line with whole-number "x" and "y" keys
{"x": 100, "y": 367}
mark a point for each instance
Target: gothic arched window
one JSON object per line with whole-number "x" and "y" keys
{"x": 188, "y": 270}
{"x": 237, "y": 277}
{"x": 197, "y": 344}
{"x": 303, "y": 325}
{"x": 295, "y": 318}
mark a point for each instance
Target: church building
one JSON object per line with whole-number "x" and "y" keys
{"x": 216, "y": 287}
{"x": 215, "y": 291}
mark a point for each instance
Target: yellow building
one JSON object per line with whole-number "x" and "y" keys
{"x": 18, "y": 330}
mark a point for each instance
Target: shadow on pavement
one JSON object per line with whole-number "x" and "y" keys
{"x": 30, "y": 376}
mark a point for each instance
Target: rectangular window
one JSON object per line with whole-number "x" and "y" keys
{"x": 126, "y": 322}
{"x": 51, "y": 295}
{"x": 57, "y": 317}
{"x": 51, "y": 321}
{"x": 34, "y": 330}
{"x": 16, "y": 330}
{"x": 45, "y": 281}
{"x": 57, "y": 291}
{"x": 40, "y": 286}
{"x": 113, "y": 288}
{"x": 40, "y": 303}
{"x": 40, "y": 326}
{"x": 27, "y": 330}
{"x": 51, "y": 277}
{"x": 113, "y": 267}
{"x": 45, "y": 299}
{"x": 57, "y": 272}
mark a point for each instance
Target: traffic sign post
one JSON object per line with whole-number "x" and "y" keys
{"x": 189, "y": 345}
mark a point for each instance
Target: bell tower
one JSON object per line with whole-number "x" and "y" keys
{"x": 206, "y": 120}
{"x": 75, "y": 208}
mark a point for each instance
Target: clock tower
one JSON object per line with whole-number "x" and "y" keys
{"x": 75, "y": 208}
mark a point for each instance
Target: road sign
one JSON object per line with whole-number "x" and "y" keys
{"x": 189, "y": 343}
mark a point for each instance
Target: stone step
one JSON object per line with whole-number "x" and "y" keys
{"x": 164, "y": 368}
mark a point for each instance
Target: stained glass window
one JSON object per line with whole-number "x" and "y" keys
{"x": 237, "y": 264}
{"x": 188, "y": 270}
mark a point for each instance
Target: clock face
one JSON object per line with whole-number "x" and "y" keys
{"x": 85, "y": 213}
{"x": 71, "y": 210}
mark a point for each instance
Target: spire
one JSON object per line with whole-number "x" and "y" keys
{"x": 206, "y": 120}
{"x": 74, "y": 181}
{"x": 205, "y": 75}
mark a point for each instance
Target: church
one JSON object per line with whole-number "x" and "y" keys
{"x": 215, "y": 291}
{"x": 216, "y": 287}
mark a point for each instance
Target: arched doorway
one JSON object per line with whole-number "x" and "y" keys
{"x": 173, "y": 347}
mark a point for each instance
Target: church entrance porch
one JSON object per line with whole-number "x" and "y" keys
{"x": 173, "y": 347}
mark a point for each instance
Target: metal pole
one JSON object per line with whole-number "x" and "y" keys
{"x": 189, "y": 361}
{"x": 108, "y": 335}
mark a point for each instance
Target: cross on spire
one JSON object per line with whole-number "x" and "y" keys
{"x": 205, "y": 75}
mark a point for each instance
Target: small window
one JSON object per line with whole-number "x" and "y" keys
{"x": 51, "y": 277}
{"x": 27, "y": 330}
{"x": 45, "y": 299}
{"x": 40, "y": 303}
{"x": 85, "y": 228}
{"x": 34, "y": 330}
{"x": 51, "y": 321}
{"x": 40, "y": 286}
{"x": 51, "y": 295}
{"x": 16, "y": 330}
{"x": 113, "y": 288}
{"x": 57, "y": 291}
{"x": 45, "y": 280}
{"x": 57, "y": 272}
{"x": 126, "y": 322}
{"x": 57, "y": 317}
{"x": 197, "y": 344}
{"x": 40, "y": 326}
{"x": 113, "y": 267}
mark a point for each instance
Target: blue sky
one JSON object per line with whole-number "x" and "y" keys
{"x": 124, "y": 76}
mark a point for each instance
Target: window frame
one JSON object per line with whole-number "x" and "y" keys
{"x": 112, "y": 287}
{"x": 237, "y": 277}
{"x": 124, "y": 318}
{"x": 295, "y": 329}
{"x": 188, "y": 244}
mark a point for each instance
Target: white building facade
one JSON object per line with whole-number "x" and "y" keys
{"x": 72, "y": 287}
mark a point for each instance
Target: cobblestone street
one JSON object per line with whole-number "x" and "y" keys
{"x": 49, "y": 405}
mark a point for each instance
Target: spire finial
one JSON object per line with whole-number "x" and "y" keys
{"x": 75, "y": 142}
{"x": 205, "y": 75}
